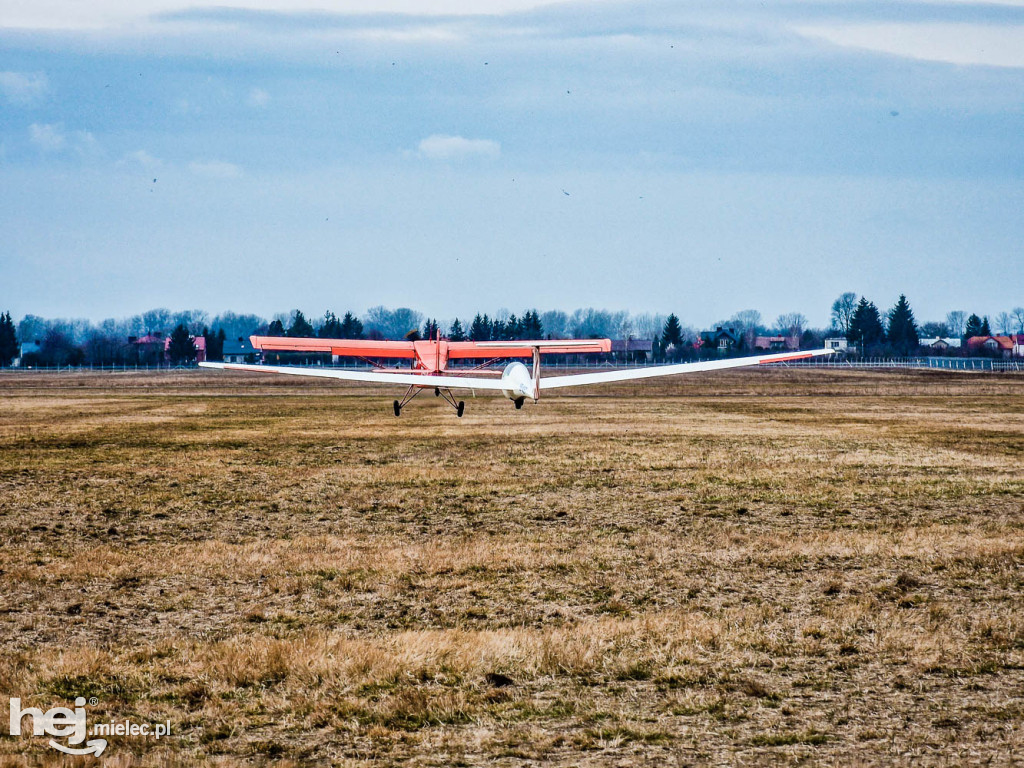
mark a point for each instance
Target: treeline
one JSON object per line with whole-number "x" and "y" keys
{"x": 116, "y": 341}
{"x": 898, "y": 333}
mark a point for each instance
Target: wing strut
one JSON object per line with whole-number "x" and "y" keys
{"x": 409, "y": 395}
{"x": 458, "y": 405}
{"x": 536, "y": 375}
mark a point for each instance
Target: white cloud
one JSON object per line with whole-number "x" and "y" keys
{"x": 24, "y": 89}
{"x": 49, "y": 138}
{"x": 52, "y": 139}
{"x": 435, "y": 33}
{"x": 85, "y": 144}
{"x": 954, "y": 43}
{"x": 185, "y": 107}
{"x": 140, "y": 158}
{"x": 107, "y": 14}
{"x": 258, "y": 98}
{"x": 441, "y": 147}
{"x": 215, "y": 169}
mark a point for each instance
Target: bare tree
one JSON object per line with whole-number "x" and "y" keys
{"x": 745, "y": 320}
{"x": 555, "y": 324}
{"x": 1017, "y": 313}
{"x": 194, "y": 320}
{"x": 791, "y": 324}
{"x": 593, "y": 323}
{"x": 391, "y": 323}
{"x": 932, "y": 329}
{"x": 956, "y": 321}
{"x": 746, "y": 323}
{"x": 237, "y": 326}
{"x": 1004, "y": 323}
{"x": 157, "y": 320}
{"x": 648, "y": 326}
{"x": 843, "y": 310}
{"x": 33, "y": 328}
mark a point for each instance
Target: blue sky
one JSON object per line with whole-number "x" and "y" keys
{"x": 693, "y": 157}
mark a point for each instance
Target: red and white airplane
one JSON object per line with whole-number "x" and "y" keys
{"x": 430, "y": 360}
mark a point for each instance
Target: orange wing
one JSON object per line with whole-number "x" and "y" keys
{"x": 343, "y": 347}
{"x": 462, "y": 350}
{"x": 431, "y": 356}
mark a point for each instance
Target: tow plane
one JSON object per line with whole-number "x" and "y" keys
{"x": 429, "y": 365}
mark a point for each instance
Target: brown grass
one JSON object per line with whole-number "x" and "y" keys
{"x": 751, "y": 567}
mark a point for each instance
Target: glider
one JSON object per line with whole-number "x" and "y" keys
{"x": 430, "y": 365}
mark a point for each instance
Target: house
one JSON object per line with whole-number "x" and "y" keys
{"x": 27, "y": 349}
{"x": 940, "y": 343}
{"x": 633, "y": 349}
{"x": 198, "y": 341}
{"x": 1018, "y": 344}
{"x": 722, "y": 339}
{"x": 777, "y": 343}
{"x": 838, "y": 343}
{"x": 991, "y": 345}
{"x": 239, "y": 351}
{"x": 632, "y": 345}
{"x": 153, "y": 348}
{"x": 148, "y": 349}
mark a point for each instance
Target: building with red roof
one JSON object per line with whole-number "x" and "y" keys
{"x": 153, "y": 348}
{"x": 1003, "y": 346}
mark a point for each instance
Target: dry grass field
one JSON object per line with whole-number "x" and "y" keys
{"x": 751, "y": 567}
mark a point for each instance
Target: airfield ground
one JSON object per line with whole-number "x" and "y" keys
{"x": 751, "y": 567}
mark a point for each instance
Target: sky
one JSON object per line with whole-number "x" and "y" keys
{"x": 692, "y": 157}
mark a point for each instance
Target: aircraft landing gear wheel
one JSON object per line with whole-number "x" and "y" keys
{"x": 460, "y": 409}
{"x": 519, "y": 402}
{"x": 398, "y": 409}
{"x": 437, "y": 391}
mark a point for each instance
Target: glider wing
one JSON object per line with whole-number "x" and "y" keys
{"x": 405, "y": 379}
{"x": 605, "y": 377}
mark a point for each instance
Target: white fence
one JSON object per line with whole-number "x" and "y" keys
{"x": 937, "y": 363}
{"x": 940, "y": 363}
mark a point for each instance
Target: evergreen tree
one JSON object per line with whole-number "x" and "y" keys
{"x": 219, "y": 347}
{"x": 351, "y": 327}
{"x": 430, "y": 329}
{"x": 973, "y": 327}
{"x": 480, "y": 330}
{"x": 672, "y": 335}
{"x": 986, "y": 330}
{"x": 866, "y": 326}
{"x": 276, "y": 328}
{"x": 214, "y": 344}
{"x": 532, "y": 328}
{"x": 331, "y": 328}
{"x": 181, "y": 349}
{"x": 8, "y": 340}
{"x": 902, "y": 327}
{"x": 513, "y": 328}
{"x": 455, "y": 333}
{"x": 301, "y": 329}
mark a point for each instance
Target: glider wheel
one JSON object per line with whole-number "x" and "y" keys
{"x": 460, "y": 409}
{"x": 398, "y": 409}
{"x": 519, "y": 402}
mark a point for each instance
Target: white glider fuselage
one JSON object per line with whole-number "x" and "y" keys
{"x": 519, "y": 382}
